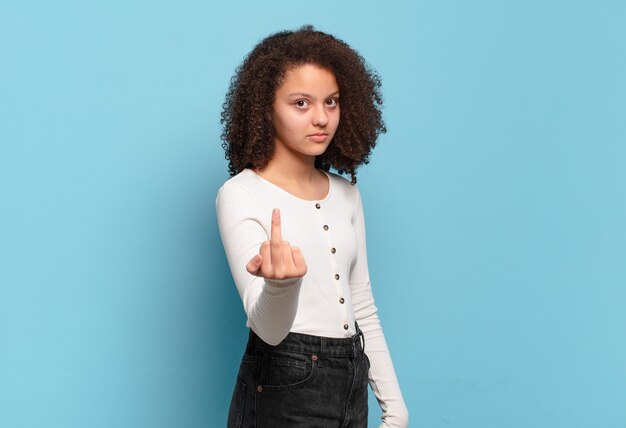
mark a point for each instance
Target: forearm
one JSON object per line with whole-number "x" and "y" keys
{"x": 271, "y": 307}
{"x": 382, "y": 376}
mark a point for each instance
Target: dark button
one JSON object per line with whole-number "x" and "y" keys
{"x": 260, "y": 388}
{"x": 333, "y": 250}
{"x": 336, "y": 276}
{"x": 345, "y": 327}
{"x": 325, "y": 227}
{"x": 318, "y": 206}
{"x": 314, "y": 357}
{"x": 341, "y": 301}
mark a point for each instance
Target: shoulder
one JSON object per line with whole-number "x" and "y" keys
{"x": 243, "y": 183}
{"x": 238, "y": 190}
{"x": 342, "y": 187}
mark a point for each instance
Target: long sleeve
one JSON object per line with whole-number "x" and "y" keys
{"x": 270, "y": 305}
{"x": 382, "y": 376}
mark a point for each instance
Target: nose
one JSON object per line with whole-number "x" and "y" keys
{"x": 320, "y": 117}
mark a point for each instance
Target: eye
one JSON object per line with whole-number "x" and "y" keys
{"x": 301, "y": 103}
{"x": 332, "y": 102}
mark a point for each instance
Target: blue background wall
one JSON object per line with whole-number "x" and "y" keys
{"x": 495, "y": 208}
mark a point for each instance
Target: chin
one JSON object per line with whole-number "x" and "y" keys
{"x": 318, "y": 152}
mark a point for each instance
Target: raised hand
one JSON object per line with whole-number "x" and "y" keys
{"x": 277, "y": 259}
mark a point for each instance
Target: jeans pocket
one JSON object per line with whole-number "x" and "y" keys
{"x": 288, "y": 370}
{"x": 237, "y": 405}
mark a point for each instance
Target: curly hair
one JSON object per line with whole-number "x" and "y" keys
{"x": 248, "y": 132}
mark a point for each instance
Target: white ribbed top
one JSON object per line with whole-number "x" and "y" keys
{"x": 336, "y": 289}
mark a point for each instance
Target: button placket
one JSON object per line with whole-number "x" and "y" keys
{"x": 334, "y": 267}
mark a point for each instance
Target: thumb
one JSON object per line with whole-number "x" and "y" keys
{"x": 254, "y": 264}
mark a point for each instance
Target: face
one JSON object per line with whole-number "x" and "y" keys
{"x": 305, "y": 111}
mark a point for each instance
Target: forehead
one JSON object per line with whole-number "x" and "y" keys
{"x": 308, "y": 78}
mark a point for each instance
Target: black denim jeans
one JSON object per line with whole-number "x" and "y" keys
{"x": 305, "y": 381}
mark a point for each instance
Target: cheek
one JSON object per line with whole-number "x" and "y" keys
{"x": 297, "y": 123}
{"x": 283, "y": 124}
{"x": 335, "y": 119}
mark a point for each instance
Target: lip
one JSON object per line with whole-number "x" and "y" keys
{"x": 319, "y": 137}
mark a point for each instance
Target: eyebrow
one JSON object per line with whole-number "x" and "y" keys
{"x": 304, "y": 94}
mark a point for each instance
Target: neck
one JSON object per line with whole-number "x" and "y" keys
{"x": 286, "y": 165}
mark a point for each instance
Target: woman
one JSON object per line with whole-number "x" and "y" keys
{"x": 301, "y": 103}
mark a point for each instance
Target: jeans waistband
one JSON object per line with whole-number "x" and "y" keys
{"x": 308, "y": 344}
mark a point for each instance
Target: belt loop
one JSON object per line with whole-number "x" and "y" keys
{"x": 359, "y": 332}
{"x": 360, "y": 335}
{"x": 355, "y": 343}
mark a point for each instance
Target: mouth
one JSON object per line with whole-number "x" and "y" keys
{"x": 319, "y": 137}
